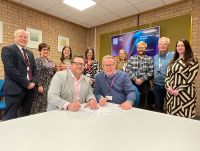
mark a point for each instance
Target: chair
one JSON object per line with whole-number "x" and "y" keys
{"x": 2, "y": 103}
{"x": 137, "y": 101}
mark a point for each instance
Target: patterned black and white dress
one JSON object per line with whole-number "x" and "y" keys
{"x": 46, "y": 72}
{"x": 180, "y": 77}
{"x": 94, "y": 69}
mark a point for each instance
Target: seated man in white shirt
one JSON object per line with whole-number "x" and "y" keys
{"x": 70, "y": 88}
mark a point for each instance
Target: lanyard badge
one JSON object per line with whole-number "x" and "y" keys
{"x": 160, "y": 64}
{"x": 109, "y": 88}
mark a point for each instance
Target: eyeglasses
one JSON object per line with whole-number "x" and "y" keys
{"x": 163, "y": 44}
{"x": 77, "y": 64}
{"x": 46, "y": 49}
{"x": 140, "y": 48}
{"x": 108, "y": 65}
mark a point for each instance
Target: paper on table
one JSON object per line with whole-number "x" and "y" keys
{"x": 113, "y": 109}
{"x": 95, "y": 113}
{"x": 89, "y": 113}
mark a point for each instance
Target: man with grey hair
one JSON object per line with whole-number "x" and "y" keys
{"x": 20, "y": 76}
{"x": 113, "y": 86}
{"x": 161, "y": 62}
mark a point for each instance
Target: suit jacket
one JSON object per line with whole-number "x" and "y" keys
{"x": 62, "y": 90}
{"x": 16, "y": 70}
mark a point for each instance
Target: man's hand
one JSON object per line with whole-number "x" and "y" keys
{"x": 31, "y": 85}
{"x": 126, "y": 105}
{"x": 74, "y": 106}
{"x": 102, "y": 101}
{"x": 40, "y": 89}
{"x": 138, "y": 81}
{"x": 93, "y": 104}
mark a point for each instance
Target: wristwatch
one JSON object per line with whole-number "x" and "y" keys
{"x": 130, "y": 102}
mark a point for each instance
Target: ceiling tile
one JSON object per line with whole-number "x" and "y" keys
{"x": 64, "y": 9}
{"x": 109, "y": 17}
{"x": 82, "y": 17}
{"x": 56, "y": 14}
{"x": 95, "y": 22}
{"x": 114, "y": 5}
{"x": 127, "y": 11}
{"x": 85, "y": 25}
{"x": 96, "y": 11}
{"x": 149, "y": 4}
{"x": 17, "y": 1}
{"x": 45, "y": 3}
{"x": 170, "y": 1}
{"x": 27, "y": 3}
{"x": 98, "y": 1}
{"x": 73, "y": 20}
{"x": 136, "y": 1}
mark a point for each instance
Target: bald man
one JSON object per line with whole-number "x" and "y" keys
{"x": 20, "y": 76}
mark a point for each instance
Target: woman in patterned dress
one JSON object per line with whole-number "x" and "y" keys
{"x": 64, "y": 62}
{"x": 181, "y": 72}
{"x": 122, "y": 61}
{"x": 46, "y": 71}
{"x": 92, "y": 66}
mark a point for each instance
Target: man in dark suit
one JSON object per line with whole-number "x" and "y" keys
{"x": 20, "y": 76}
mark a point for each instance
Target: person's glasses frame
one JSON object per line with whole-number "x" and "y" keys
{"x": 78, "y": 64}
{"x": 108, "y": 65}
{"x": 140, "y": 48}
{"x": 46, "y": 50}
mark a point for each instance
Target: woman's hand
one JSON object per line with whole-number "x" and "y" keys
{"x": 91, "y": 81}
{"x": 172, "y": 92}
{"x": 40, "y": 89}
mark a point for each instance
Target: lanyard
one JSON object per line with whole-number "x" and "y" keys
{"x": 88, "y": 66}
{"x": 140, "y": 61}
{"x": 67, "y": 65}
{"x": 124, "y": 65}
{"x": 162, "y": 61}
{"x": 50, "y": 65}
{"x": 111, "y": 83}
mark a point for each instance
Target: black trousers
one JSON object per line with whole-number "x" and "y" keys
{"x": 14, "y": 102}
{"x": 159, "y": 94}
{"x": 144, "y": 89}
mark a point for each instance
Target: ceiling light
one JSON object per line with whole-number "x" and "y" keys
{"x": 79, "y": 4}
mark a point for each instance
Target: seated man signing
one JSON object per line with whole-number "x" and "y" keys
{"x": 70, "y": 88}
{"x": 113, "y": 85}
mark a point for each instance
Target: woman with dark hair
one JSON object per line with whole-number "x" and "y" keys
{"x": 64, "y": 62}
{"x": 122, "y": 61}
{"x": 46, "y": 71}
{"x": 181, "y": 72}
{"x": 92, "y": 67}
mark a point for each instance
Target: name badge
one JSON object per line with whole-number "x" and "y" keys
{"x": 88, "y": 75}
{"x": 27, "y": 68}
{"x": 109, "y": 97}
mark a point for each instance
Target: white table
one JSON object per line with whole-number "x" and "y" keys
{"x": 134, "y": 130}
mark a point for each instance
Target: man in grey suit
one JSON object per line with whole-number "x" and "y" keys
{"x": 70, "y": 88}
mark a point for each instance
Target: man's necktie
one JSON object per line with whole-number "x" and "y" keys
{"x": 27, "y": 65}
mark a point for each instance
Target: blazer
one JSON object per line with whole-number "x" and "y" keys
{"x": 62, "y": 90}
{"x": 119, "y": 65}
{"x": 15, "y": 69}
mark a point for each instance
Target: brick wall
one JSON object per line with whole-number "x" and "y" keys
{"x": 16, "y": 16}
{"x": 186, "y": 7}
